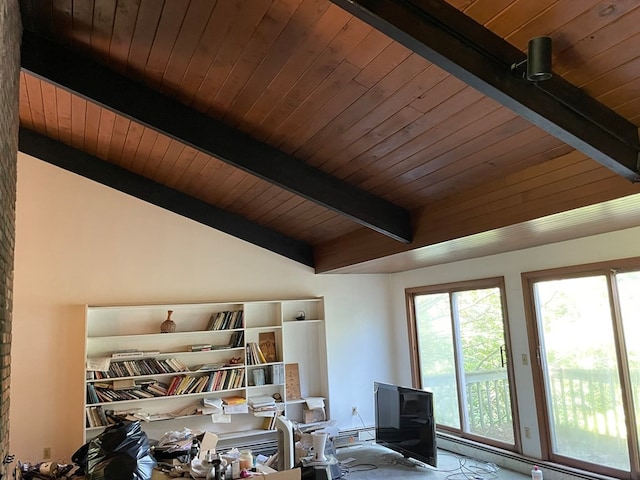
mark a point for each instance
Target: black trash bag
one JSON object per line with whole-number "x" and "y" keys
{"x": 120, "y": 452}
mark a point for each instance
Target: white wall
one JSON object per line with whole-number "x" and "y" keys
{"x": 597, "y": 248}
{"x": 78, "y": 242}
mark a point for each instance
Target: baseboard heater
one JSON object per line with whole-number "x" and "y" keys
{"x": 510, "y": 460}
{"x": 354, "y": 436}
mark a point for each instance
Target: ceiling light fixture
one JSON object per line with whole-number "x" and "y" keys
{"x": 538, "y": 60}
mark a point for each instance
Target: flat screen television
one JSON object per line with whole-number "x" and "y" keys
{"x": 405, "y": 422}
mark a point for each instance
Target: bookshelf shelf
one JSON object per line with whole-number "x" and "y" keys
{"x": 263, "y": 329}
{"x": 124, "y": 328}
{"x": 301, "y": 400}
{"x": 197, "y": 333}
{"x": 301, "y": 323}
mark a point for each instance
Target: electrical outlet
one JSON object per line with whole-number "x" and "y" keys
{"x": 46, "y": 453}
{"x": 354, "y": 411}
{"x": 527, "y": 432}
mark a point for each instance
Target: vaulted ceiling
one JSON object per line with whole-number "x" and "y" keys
{"x": 350, "y": 136}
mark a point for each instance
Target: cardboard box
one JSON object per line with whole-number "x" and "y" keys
{"x": 314, "y": 415}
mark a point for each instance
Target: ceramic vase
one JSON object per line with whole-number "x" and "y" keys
{"x": 168, "y": 326}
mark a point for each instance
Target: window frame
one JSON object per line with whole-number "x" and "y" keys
{"x": 416, "y": 374}
{"x": 608, "y": 269}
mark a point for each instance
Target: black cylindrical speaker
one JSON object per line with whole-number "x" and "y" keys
{"x": 539, "y": 59}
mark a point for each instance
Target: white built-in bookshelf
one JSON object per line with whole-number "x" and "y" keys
{"x": 170, "y": 381}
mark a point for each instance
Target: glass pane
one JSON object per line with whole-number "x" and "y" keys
{"x": 629, "y": 292}
{"x": 581, "y": 372}
{"x": 482, "y": 340}
{"x": 435, "y": 347}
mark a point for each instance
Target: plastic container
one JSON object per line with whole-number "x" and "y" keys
{"x": 246, "y": 460}
{"x": 235, "y": 469}
{"x": 536, "y": 473}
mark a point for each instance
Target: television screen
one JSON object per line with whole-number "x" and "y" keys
{"x": 405, "y": 422}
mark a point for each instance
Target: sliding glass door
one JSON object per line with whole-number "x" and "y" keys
{"x": 460, "y": 338}
{"x": 586, "y": 324}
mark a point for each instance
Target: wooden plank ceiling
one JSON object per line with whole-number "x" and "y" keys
{"x": 382, "y": 135}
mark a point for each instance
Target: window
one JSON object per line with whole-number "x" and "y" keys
{"x": 459, "y": 342}
{"x": 585, "y": 322}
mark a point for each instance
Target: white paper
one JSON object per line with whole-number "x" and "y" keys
{"x": 221, "y": 418}
{"x": 233, "y": 409}
{"x": 98, "y": 364}
{"x": 314, "y": 402}
{"x": 212, "y": 402}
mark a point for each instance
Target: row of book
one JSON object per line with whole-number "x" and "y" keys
{"x": 215, "y": 381}
{"x": 254, "y": 354}
{"x": 237, "y": 339}
{"x": 96, "y": 417}
{"x": 225, "y": 320}
{"x": 219, "y": 380}
{"x": 105, "y": 393}
{"x": 269, "y": 423}
{"x": 275, "y": 374}
{"x": 146, "y": 366}
{"x": 228, "y": 379}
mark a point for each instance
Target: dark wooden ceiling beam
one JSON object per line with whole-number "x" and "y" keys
{"x": 456, "y": 43}
{"x": 119, "y": 94}
{"x": 111, "y": 175}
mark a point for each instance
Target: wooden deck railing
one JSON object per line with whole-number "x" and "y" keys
{"x": 583, "y": 402}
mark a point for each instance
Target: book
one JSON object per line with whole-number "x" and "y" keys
{"x": 202, "y": 347}
{"x": 267, "y": 345}
{"x": 277, "y": 374}
{"x": 261, "y": 400}
{"x": 173, "y": 385}
{"x": 210, "y": 366}
{"x": 230, "y": 319}
{"x": 124, "y": 384}
{"x": 128, "y": 354}
{"x": 234, "y": 400}
{"x": 254, "y": 354}
{"x": 292, "y": 381}
{"x": 236, "y": 340}
{"x": 134, "y": 353}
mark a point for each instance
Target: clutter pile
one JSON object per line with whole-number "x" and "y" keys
{"x": 44, "y": 470}
{"x": 122, "y": 452}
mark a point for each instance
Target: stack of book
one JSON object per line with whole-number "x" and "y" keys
{"x": 263, "y": 406}
{"x": 235, "y": 404}
{"x": 210, "y": 406}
